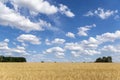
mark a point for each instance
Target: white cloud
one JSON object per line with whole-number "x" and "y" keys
{"x": 58, "y": 41}
{"x": 75, "y": 54}
{"x": 18, "y": 49}
{"x": 73, "y": 46}
{"x": 60, "y": 55}
{"x": 6, "y": 40}
{"x": 100, "y": 39}
{"x": 108, "y": 37}
{"x": 29, "y": 38}
{"x": 65, "y": 10}
{"x": 89, "y": 13}
{"x": 70, "y": 34}
{"x": 12, "y": 18}
{"x": 58, "y": 51}
{"x": 90, "y": 43}
{"x": 4, "y": 45}
{"x": 54, "y": 50}
{"x": 94, "y": 45}
{"x": 92, "y": 52}
{"x": 47, "y": 42}
{"x": 78, "y": 49}
{"x": 42, "y": 6}
{"x": 101, "y": 13}
{"x": 82, "y": 31}
{"x": 36, "y": 6}
{"x": 55, "y": 41}
{"x": 111, "y": 49}
{"x": 46, "y": 25}
{"x": 4, "y": 48}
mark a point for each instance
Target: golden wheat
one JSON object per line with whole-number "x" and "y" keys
{"x": 59, "y": 71}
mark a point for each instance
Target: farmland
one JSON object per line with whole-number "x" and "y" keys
{"x": 59, "y": 71}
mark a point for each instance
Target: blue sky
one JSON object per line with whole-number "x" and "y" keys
{"x": 60, "y": 30}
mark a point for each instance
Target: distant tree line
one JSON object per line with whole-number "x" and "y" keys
{"x": 104, "y": 59}
{"x": 12, "y": 59}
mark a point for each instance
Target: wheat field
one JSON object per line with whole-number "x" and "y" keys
{"x": 59, "y": 71}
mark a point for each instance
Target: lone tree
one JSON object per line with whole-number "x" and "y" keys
{"x": 104, "y": 59}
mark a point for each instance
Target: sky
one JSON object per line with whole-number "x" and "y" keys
{"x": 60, "y": 30}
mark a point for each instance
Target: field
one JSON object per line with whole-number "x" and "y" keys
{"x": 59, "y": 71}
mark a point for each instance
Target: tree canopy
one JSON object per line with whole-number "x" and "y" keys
{"x": 104, "y": 59}
{"x": 12, "y": 59}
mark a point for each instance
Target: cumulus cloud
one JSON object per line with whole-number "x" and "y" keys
{"x": 4, "y": 48}
{"x": 58, "y": 51}
{"x": 73, "y": 46}
{"x": 6, "y": 40}
{"x": 12, "y": 18}
{"x": 55, "y": 41}
{"x": 70, "y": 34}
{"x": 78, "y": 49}
{"x": 4, "y": 45}
{"x": 54, "y": 49}
{"x": 101, "y": 13}
{"x": 111, "y": 49}
{"x": 42, "y": 6}
{"x": 66, "y": 11}
{"x": 92, "y": 45}
{"x": 108, "y": 37}
{"x": 29, "y": 38}
{"x": 58, "y": 41}
{"x": 82, "y": 31}
{"x": 18, "y": 49}
{"x": 94, "y": 42}
{"x": 36, "y": 6}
